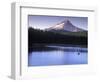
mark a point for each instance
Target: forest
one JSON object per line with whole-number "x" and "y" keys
{"x": 42, "y": 37}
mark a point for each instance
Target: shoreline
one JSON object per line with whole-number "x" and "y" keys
{"x": 50, "y": 47}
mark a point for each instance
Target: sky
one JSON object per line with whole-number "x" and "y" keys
{"x": 43, "y": 21}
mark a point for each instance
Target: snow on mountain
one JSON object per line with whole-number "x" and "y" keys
{"x": 65, "y": 25}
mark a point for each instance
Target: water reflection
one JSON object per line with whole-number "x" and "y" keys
{"x": 57, "y": 55}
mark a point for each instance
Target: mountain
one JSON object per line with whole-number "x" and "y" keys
{"x": 65, "y": 25}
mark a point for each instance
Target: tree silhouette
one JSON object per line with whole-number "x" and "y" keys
{"x": 37, "y": 36}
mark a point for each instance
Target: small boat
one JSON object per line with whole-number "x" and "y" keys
{"x": 78, "y": 53}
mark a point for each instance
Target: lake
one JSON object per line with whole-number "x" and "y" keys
{"x": 57, "y": 55}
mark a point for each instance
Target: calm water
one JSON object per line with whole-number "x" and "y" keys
{"x": 57, "y": 55}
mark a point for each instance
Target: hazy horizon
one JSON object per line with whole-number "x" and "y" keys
{"x": 43, "y": 21}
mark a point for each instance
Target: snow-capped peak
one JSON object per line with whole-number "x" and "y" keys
{"x": 65, "y": 25}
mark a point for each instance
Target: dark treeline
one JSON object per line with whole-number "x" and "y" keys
{"x": 47, "y": 37}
